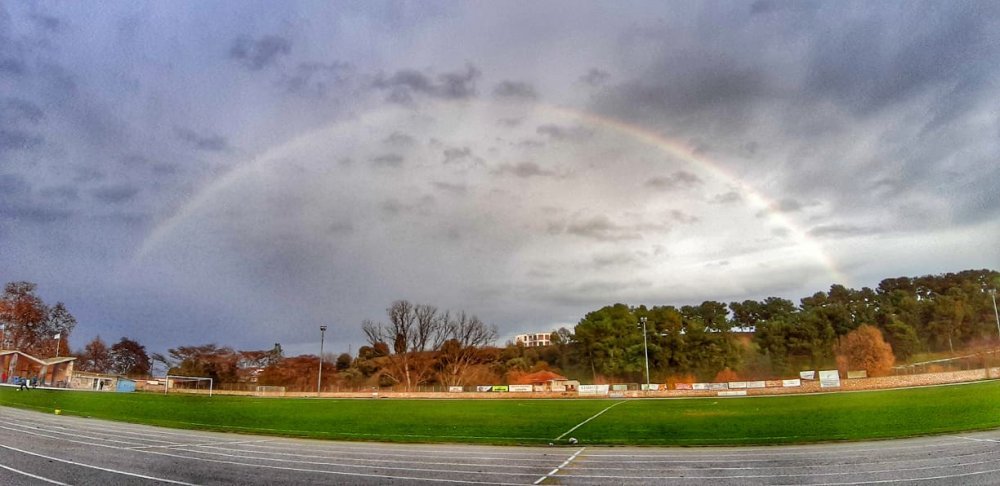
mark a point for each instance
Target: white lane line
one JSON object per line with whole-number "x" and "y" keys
{"x": 978, "y": 440}
{"x": 322, "y": 471}
{"x": 105, "y": 469}
{"x": 564, "y": 464}
{"x": 598, "y": 414}
{"x": 47, "y": 480}
{"x": 202, "y": 444}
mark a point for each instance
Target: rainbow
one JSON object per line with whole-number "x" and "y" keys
{"x": 643, "y": 135}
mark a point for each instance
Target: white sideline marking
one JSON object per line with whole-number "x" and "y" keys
{"x": 115, "y": 471}
{"x": 598, "y": 414}
{"x": 47, "y": 480}
{"x": 564, "y": 464}
{"x": 200, "y": 444}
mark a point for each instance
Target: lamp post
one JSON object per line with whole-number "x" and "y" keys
{"x": 645, "y": 349}
{"x": 319, "y": 381}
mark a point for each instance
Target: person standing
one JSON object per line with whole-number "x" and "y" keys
{"x": 24, "y": 384}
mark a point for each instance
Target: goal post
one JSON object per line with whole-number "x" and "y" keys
{"x": 269, "y": 391}
{"x": 197, "y": 380}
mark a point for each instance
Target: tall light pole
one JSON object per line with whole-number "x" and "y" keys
{"x": 319, "y": 381}
{"x": 993, "y": 295}
{"x": 645, "y": 349}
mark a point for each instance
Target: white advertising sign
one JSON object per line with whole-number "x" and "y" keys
{"x": 756, "y": 384}
{"x": 454, "y": 389}
{"x": 791, "y": 383}
{"x": 807, "y": 375}
{"x": 521, "y": 388}
{"x": 829, "y": 379}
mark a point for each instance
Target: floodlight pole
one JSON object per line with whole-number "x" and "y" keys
{"x": 319, "y": 381}
{"x": 993, "y": 295}
{"x": 645, "y": 349}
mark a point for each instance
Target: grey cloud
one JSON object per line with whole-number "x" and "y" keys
{"x": 621, "y": 259}
{"x": 461, "y": 154}
{"x": 34, "y": 213}
{"x": 18, "y": 110}
{"x": 12, "y": 185}
{"x": 46, "y": 22}
{"x": 399, "y": 139}
{"x": 455, "y": 189}
{"x": 64, "y": 193}
{"x": 405, "y": 83}
{"x": 12, "y": 139}
{"x": 510, "y": 122}
{"x": 515, "y": 89}
{"x": 866, "y": 66}
{"x": 11, "y": 66}
{"x": 556, "y": 132}
{"x": 679, "y": 179}
{"x": 115, "y": 194}
{"x": 388, "y": 160}
{"x": 316, "y": 78}
{"x": 730, "y": 197}
{"x": 523, "y": 170}
{"x": 788, "y": 205}
{"x": 87, "y": 174}
{"x": 601, "y": 228}
{"x": 256, "y": 54}
{"x": 840, "y": 230}
{"x": 210, "y": 143}
{"x": 595, "y": 77}
{"x": 682, "y": 217}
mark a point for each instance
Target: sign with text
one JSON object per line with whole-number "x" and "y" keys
{"x": 791, "y": 383}
{"x": 807, "y": 375}
{"x": 594, "y": 389}
{"x": 454, "y": 389}
{"x": 521, "y": 388}
{"x": 829, "y": 379}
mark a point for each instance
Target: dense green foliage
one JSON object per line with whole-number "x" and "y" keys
{"x": 710, "y": 421}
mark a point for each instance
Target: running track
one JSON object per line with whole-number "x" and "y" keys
{"x": 43, "y": 449}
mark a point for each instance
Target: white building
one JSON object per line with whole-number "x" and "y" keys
{"x": 534, "y": 340}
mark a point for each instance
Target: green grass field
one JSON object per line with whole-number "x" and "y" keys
{"x": 702, "y": 421}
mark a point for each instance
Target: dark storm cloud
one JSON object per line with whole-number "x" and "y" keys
{"x": 210, "y": 143}
{"x": 515, "y": 89}
{"x": 115, "y": 194}
{"x": 256, "y": 54}
{"x": 871, "y": 62}
{"x": 595, "y": 77}
{"x": 561, "y": 133}
{"x": 679, "y": 179}
{"x": 450, "y": 86}
{"x": 387, "y": 160}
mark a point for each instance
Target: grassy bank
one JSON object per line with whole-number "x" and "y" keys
{"x": 705, "y": 421}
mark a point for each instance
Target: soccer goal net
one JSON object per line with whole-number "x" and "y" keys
{"x": 269, "y": 391}
{"x": 196, "y": 383}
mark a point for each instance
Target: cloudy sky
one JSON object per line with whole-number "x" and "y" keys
{"x": 241, "y": 173}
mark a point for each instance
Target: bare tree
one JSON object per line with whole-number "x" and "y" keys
{"x": 414, "y": 331}
{"x": 465, "y": 336}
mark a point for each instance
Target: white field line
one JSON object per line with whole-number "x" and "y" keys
{"x": 556, "y": 470}
{"x": 47, "y": 480}
{"x": 978, "y": 440}
{"x": 598, "y": 414}
{"x": 90, "y": 466}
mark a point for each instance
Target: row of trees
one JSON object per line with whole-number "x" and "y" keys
{"x": 29, "y": 324}
{"x": 419, "y": 344}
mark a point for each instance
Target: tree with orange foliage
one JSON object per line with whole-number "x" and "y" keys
{"x": 865, "y": 349}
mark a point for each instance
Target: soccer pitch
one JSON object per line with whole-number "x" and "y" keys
{"x": 684, "y": 422}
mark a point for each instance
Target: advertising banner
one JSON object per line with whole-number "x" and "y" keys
{"x": 807, "y": 375}
{"x": 737, "y": 384}
{"x": 853, "y": 375}
{"x": 791, "y": 383}
{"x": 653, "y": 387}
{"x": 829, "y": 379}
{"x": 500, "y": 388}
{"x": 521, "y": 388}
{"x": 619, "y": 387}
{"x": 454, "y": 389}
{"x": 484, "y": 388}
{"x": 756, "y": 384}
{"x": 717, "y": 386}
{"x": 683, "y": 386}
{"x": 732, "y": 393}
{"x": 594, "y": 389}
{"x": 699, "y": 386}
